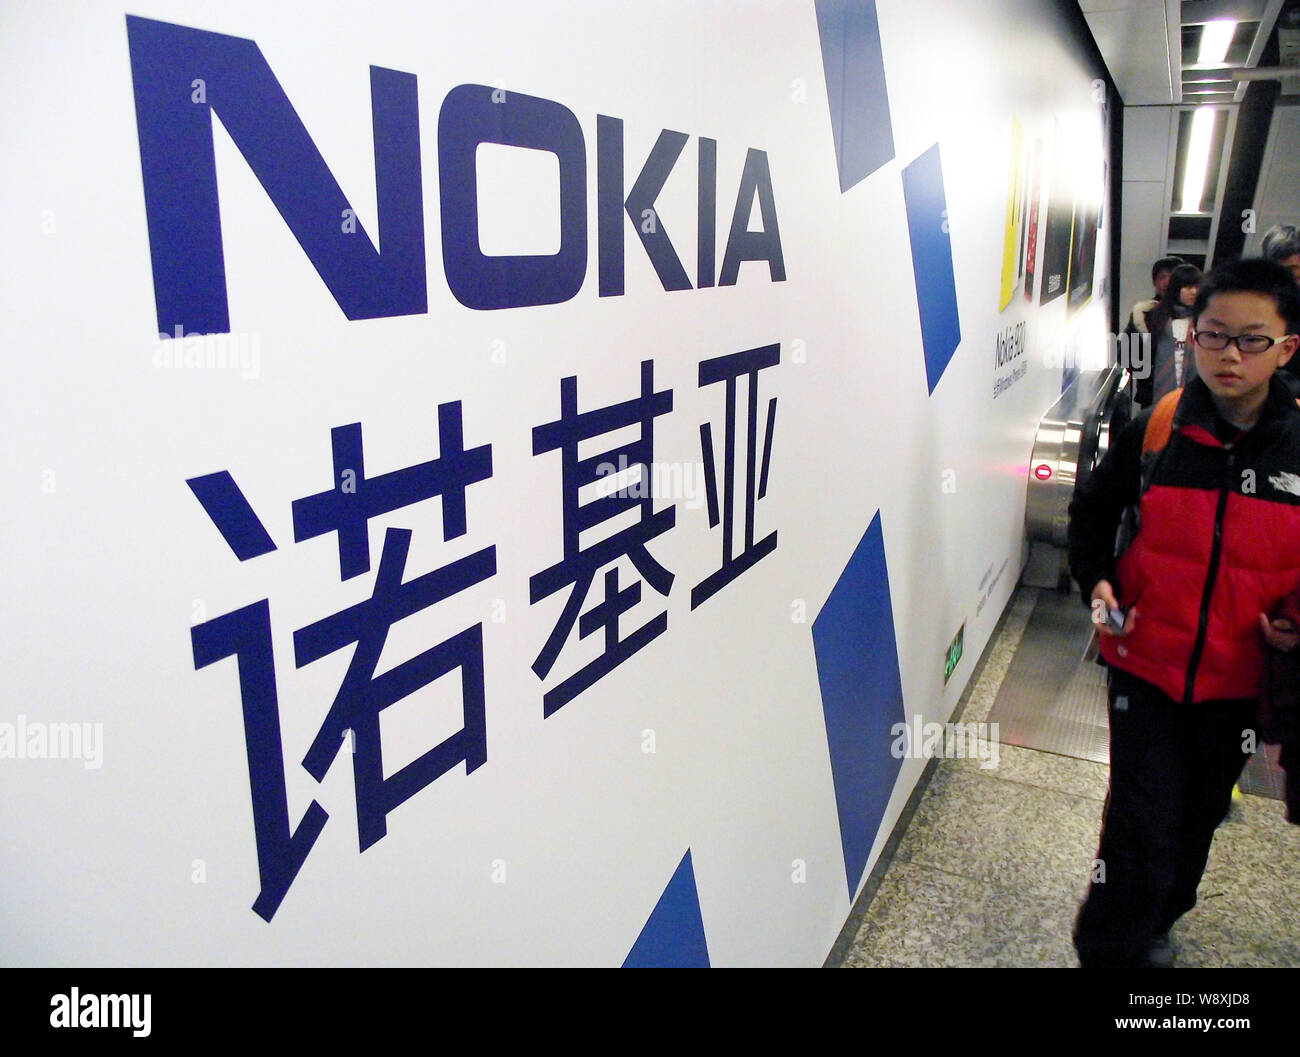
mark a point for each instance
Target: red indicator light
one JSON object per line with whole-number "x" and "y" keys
{"x": 1042, "y": 471}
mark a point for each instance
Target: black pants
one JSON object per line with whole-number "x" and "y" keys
{"x": 1172, "y": 769}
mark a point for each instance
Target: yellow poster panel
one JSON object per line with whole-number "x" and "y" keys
{"x": 1011, "y": 234}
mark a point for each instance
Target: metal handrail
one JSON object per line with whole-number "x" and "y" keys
{"x": 1070, "y": 440}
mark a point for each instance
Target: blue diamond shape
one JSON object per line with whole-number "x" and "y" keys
{"x": 936, "y": 285}
{"x": 855, "y": 87}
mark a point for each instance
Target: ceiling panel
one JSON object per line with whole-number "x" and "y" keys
{"x": 1133, "y": 37}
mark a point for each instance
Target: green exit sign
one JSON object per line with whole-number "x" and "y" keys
{"x": 953, "y": 655}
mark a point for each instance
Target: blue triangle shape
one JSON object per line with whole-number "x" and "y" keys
{"x": 673, "y": 936}
{"x": 862, "y": 695}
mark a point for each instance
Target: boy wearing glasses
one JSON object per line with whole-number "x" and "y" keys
{"x": 1183, "y": 613}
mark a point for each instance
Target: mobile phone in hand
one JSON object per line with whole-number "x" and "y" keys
{"x": 1115, "y": 620}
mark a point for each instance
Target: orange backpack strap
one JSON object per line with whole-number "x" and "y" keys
{"x": 1161, "y": 423}
{"x": 1160, "y": 427}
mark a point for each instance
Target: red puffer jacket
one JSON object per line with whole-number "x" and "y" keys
{"x": 1218, "y": 544}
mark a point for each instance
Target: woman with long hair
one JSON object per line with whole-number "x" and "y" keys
{"x": 1170, "y": 321}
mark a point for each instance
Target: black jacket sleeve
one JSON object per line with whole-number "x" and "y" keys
{"x": 1098, "y": 505}
{"x": 1144, "y": 389}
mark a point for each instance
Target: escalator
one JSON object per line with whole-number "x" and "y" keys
{"x": 1071, "y": 439}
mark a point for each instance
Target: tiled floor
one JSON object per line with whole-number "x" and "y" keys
{"x": 994, "y": 862}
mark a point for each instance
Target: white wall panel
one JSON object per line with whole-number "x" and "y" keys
{"x": 713, "y": 739}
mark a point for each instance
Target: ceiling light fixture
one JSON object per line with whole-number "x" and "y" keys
{"x": 1215, "y": 38}
{"x": 1198, "y": 159}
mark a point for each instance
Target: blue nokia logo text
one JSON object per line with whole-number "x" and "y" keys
{"x": 182, "y": 76}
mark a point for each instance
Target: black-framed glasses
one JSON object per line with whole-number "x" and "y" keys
{"x": 1217, "y": 341}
